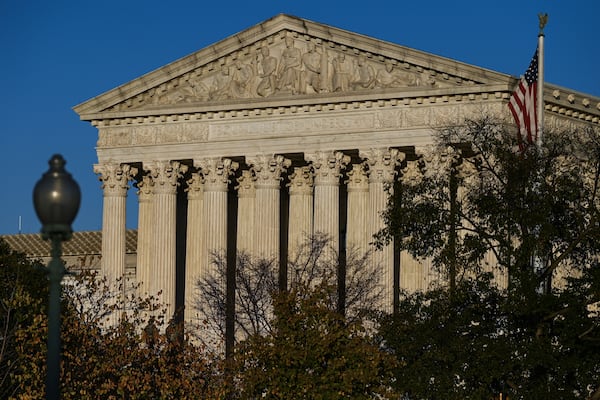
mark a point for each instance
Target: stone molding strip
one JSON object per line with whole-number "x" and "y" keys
{"x": 266, "y": 108}
{"x": 298, "y": 105}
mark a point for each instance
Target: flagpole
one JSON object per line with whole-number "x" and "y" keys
{"x": 538, "y": 263}
{"x": 543, "y": 18}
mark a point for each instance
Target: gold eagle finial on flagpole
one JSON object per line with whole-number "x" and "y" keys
{"x": 543, "y": 21}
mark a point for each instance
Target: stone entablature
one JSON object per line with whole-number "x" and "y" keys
{"x": 379, "y": 114}
{"x": 329, "y": 129}
{"x": 346, "y": 126}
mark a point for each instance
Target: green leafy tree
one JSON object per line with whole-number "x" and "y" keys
{"x": 449, "y": 349}
{"x": 535, "y": 216}
{"x": 312, "y": 352}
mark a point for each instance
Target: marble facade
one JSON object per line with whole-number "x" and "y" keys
{"x": 287, "y": 128}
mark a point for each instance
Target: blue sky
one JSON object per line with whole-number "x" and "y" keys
{"x": 57, "y": 54}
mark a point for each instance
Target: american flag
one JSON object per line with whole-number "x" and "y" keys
{"x": 523, "y": 104}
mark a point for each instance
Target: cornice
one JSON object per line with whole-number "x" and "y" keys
{"x": 561, "y": 102}
{"x": 302, "y": 104}
{"x": 570, "y": 103}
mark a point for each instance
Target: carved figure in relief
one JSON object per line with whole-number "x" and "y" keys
{"x": 342, "y": 73}
{"x": 289, "y": 67}
{"x": 389, "y": 78}
{"x": 365, "y": 74}
{"x": 187, "y": 93}
{"x": 312, "y": 68}
{"x": 221, "y": 88}
{"x": 266, "y": 73}
{"x": 294, "y": 72}
{"x": 240, "y": 81}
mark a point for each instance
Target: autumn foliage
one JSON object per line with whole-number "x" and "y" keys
{"x": 139, "y": 357}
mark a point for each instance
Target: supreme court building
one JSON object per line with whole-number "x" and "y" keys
{"x": 287, "y": 128}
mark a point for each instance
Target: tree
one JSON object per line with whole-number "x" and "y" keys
{"x": 257, "y": 281}
{"x": 312, "y": 352}
{"x": 534, "y": 216}
{"x": 23, "y": 296}
{"x": 140, "y": 356}
{"x": 449, "y": 349}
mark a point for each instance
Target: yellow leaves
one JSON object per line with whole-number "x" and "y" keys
{"x": 114, "y": 362}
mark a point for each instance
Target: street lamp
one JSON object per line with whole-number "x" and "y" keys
{"x": 56, "y": 198}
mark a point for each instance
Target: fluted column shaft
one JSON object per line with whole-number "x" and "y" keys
{"x": 165, "y": 175}
{"x": 267, "y": 172}
{"x": 327, "y": 167}
{"x": 216, "y": 172}
{"x": 194, "y": 242}
{"x": 414, "y": 275}
{"x": 145, "y": 239}
{"x": 115, "y": 183}
{"x": 301, "y": 209}
{"x": 382, "y": 171}
{"x": 358, "y": 199}
{"x": 245, "y": 222}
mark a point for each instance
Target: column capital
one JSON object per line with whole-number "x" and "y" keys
{"x": 165, "y": 175}
{"x": 357, "y": 179}
{"x": 411, "y": 173}
{"x": 245, "y": 187}
{"x": 115, "y": 177}
{"x": 145, "y": 188}
{"x": 301, "y": 181}
{"x": 382, "y": 163}
{"x": 327, "y": 166}
{"x": 216, "y": 172}
{"x": 436, "y": 160}
{"x": 195, "y": 188}
{"x": 267, "y": 169}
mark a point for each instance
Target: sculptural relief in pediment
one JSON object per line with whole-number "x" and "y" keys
{"x": 289, "y": 64}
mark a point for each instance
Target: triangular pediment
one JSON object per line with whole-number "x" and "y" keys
{"x": 287, "y": 58}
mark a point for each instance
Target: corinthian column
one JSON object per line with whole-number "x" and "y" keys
{"x": 267, "y": 172}
{"x": 245, "y": 223}
{"x": 194, "y": 243}
{"x": 301, "y": 209}
{"x": 216, "y": 172}
{"x": 165, "y": 175}
{"x": 115, "y": 182}
{"x": 145, "y": 239}
{"x": 327, "y": 167}
{"x": 358, "y": 198}
{"x": 382, "y": 171}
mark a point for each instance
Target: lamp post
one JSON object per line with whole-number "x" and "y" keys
{"x": 56, "y": 198}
